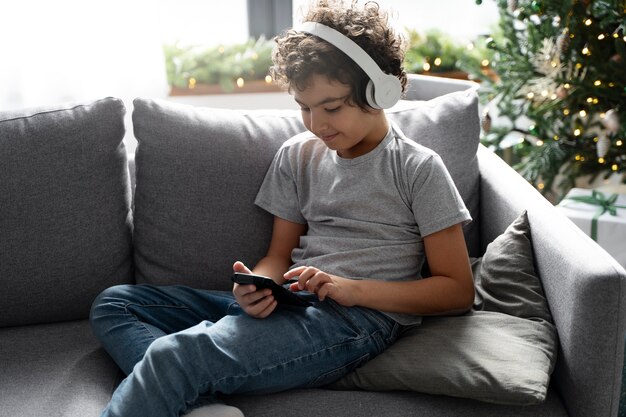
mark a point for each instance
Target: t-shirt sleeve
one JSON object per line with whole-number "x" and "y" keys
{"x": 278, "y": 193}
{"x": 436, "y": 202}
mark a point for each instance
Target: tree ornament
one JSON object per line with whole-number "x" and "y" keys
{"x": 563, "y": 41}
{"x": 611, "y": 121}
{"x": 536, "y": 6}
{"x": 533, "y": 129}
{"x": 479, "y": 2}
{"x": 535, "y": 19}
{"x": 485, "y": 123}
{"x": 603, "y": 145}
{"x": 561, "y": 92}
{"x": 617, "y": 58}
{"x": 520, "y": 14}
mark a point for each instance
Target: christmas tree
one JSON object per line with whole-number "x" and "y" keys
{"x": 559, "y": 90}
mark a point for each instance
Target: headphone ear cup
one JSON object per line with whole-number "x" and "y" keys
{"x": 387, "y": 91}
{"x": 370, "y": 95}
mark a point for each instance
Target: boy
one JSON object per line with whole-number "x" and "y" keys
{"x": 358, "y": 208}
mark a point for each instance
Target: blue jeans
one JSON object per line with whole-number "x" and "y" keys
{"x": 177, "y": 344}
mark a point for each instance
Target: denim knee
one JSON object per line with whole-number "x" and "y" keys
{"x": 116, "y": 295}
{"x": 171, "y": 362}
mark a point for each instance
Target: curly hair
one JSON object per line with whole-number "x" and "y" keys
{"x": 297, "y": 56}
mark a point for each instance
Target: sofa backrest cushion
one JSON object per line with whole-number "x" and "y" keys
{"x": 65, "y": 219}
{"x": 198, "y": 171}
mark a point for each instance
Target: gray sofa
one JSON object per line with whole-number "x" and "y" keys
{"x": 78, "y": 215}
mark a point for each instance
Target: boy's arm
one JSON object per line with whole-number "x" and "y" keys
{"x": 450, "y": 289}
{"x": 285, "y": 237}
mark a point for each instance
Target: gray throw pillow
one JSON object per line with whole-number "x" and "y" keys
{"x": 198, "y": 171}
{"x": 65, "y": 219}
{"x": 493, "y": 356}
{"x": 505, "y": 276}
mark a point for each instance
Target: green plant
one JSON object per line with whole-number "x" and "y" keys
{"x": 435, "y": 52}
{"x": 190, "y": 65}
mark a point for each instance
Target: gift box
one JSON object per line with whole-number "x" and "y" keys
{"x": 601, "y": 215}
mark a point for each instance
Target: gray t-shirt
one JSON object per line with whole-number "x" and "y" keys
{"x": 366, "y": 216}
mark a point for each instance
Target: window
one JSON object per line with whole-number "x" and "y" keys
{"x": 267, "y": 18}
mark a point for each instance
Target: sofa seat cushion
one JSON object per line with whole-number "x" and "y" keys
{"x": 198, "y": 171}
{"x": 54, "y": 370}
{"x": 325, "y": 403}
{"x": 65, "y": 216}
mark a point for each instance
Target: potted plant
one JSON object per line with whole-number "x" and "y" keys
{"x": 219, "y": 69}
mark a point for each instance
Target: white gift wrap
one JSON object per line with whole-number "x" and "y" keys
{"x": 611, "y": 230}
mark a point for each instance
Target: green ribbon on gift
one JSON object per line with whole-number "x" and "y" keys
{"x": 598, "y": 199}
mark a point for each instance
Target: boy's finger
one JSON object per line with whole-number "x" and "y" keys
{"x": 240, "y": 267}
{"x": 292, "y": 273}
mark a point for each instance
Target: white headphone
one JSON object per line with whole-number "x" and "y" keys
{"x": 383, "y": 90}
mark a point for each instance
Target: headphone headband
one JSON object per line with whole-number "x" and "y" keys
{"x": 384, "y": 90}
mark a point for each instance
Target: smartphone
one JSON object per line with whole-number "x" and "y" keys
{"x": 280, "y": 293}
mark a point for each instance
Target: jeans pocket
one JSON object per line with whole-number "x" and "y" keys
{"x": 335, "y": 374}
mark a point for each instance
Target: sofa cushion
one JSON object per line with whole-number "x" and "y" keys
{"x": 65, "y": 215}
{"x": 504, "y": 356}
{"x": 317, "y": 402}
{"x": 56, "y": 369}
{"x": 198, "y": 171}
{"x": 505, "y": 277}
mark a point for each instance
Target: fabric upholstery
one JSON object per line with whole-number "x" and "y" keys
{"x": 65, "y": 215}
{"x": 482, "y": 355}
{"x": 192, "y": 163}
{"x": 54, "y": 370}
{"x": 505, "y": 276}
{"x": 324, "y": 403}
{"x": 198, "y": 172}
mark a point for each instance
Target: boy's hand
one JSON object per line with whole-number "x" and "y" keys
{"x": 258, "y": 304}
{"x": 324, "y": 285}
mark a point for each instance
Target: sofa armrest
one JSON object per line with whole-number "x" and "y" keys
{"x": 583, "y": 284}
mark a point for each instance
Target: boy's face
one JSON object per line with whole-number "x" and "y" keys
{"x": 343, "y": 127}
